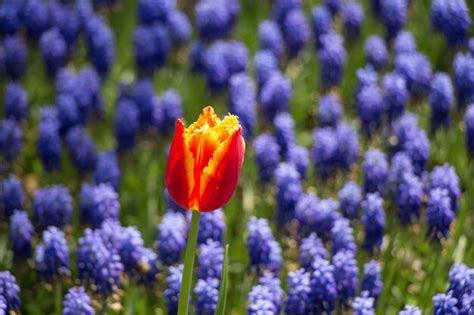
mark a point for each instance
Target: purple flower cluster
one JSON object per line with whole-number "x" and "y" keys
{"x": 264, "y": 250}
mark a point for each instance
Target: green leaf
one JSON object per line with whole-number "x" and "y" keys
{"x": 224, "y": 283}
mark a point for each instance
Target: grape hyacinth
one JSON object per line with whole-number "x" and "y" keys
{"x": 21, "y": 234}
{"x": 49, "y": 145}
{"x": 452, "y": 19}
{"x": 11, "y": 140}
{"x": 77, "y": 301}
{"x": 267, "y": 156}
{"x": 395, "y": 95}
{"x": 213, "y": 19}
{"x": 260, "y": 301}
{"x": 463, "y": 66}
{"x": 82, "y": 149}
{"x": 207, "y": 295}
{"x": 324, "y": 152}
{"x": 444, "y": 304}
{"x": 342, "y": 237}
{"x": 100, "y": 42}
{"x": 295, "y": 31}
{"x": 131, "y": 249}
{"x": 373, "y": 219}
{"x": 299, "y": 157}
{"x": 323, "y": 286}
{"x": 105, "y": 205}
{"x": 264, "y": 251}
{"x": 16, "y": 104}
{"x": 353, "y": 17}
{"x": 52, "y": 255}
{"x": 350, "y": 198}
{"x": 363, "y": 305}
{"x": 54, "y": 51}
{"x": 107, "y": 170}
{"x": 441, "y": 100}
{"x": 316, "y": 215}
{"x": 89, "y": 251}
{"x": 347, "y": 146}
{"x": 372, "y": 280}
{"x": 330, "y": 111}
{"x": 469, "y": 129}
{"x": 242, "y": 102}
{"x": 410, "y": 310}
{"x": 171, "y": 239}
{"x": 298, "y": 301}
{"x": 321, "y": 23}
{"x": 11, "y": 196}
{"x": 179, "y": 27}
{"x": 284, "y": 132}
{"x": 346, "y": 276}
{"x": 311, "y": 248}
{"x": 270, "y": 38}
{"x": 439, "y": 213}
{"x": 404, "y": 43}
{"x": 275, "y": 95}
{"x": 445, "y": 176}
{"x": 289, "y": 190}
{"x": 376, "y": 53}
{"x": 212, "y": 227}
{"x": 393, "y": 14}
{"x": 416, "y": 69}
{"x": 408, "y": 198}
{"x": 10, "y": 291}
{"x": 366, "y": 76}
{"x": 265, "y": 63}
{"x": 173, "y": 286}
{"x": 52, "y": 206}
{"x": 460, "y": 282}
{"x": 375, "y": 171}
{"x": 370, "y": 108}
{"x": 272, "y": 281}
{"x": 126, "y": 125}
{"x": 332, "y": 58}
{"x": 211, "y": 255}
{"x": 13, "y": 57}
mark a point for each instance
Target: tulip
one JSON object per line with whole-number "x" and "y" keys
{"x": 203, "y": 168}
{"x": 204, "y": 161}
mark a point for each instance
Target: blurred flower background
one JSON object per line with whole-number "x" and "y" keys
{"x": 357, "y": 191}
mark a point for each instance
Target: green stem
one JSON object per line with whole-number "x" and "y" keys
{"x": 187, "y": 279}
{"x": 58, "y": 297}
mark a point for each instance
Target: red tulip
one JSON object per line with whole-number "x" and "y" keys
{"x": 204, "y": 161}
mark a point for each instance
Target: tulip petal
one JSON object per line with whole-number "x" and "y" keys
{"x": 180, "y": 169}
{"x": 219, "y": 179}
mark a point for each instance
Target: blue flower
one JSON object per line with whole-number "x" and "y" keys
{"x": 11, "y": 196}
{"x": 417, "y": 147}
{"x": 324, "y": 152}
{"x": 346, "y": 276}
{"x": 264, "y": 251}
{"x": 171, "y": 239}
{"x": 330, "y": 111}
{"x": 67, "y": 20}
{"x": 439, "y": 213}
{"x": 197, "y": 57}
{"x": 100, "y": 42}
{"x": 463, "y": 66}
{"x": 347, "y": 146}
{"x": 363, "y": 305}
{"x": 321, "y": 23}
{"x": 444, "y": 176}
{"x": 212, "y": 227}
{"x": 49, "y": 144}
{"x": 105, "y": 204}
{"x": 365, "y": 77}
{"x": 299, "y": 157}
{"x": 207, "y": 296}
{"x": 13, "y": 57}
{"x": 416, "y": 68}
{"x": 211, "y": 255}
{"x": 52, "y": 255}
{"x": 352, "y": 15}
{"x": 296, "y": 32}
{"x": 375, "y": 171}
{"x": 10, "y": 291}
{"x": 242, "y": 102}
{"x": 393, "y": 14}
{"x": 150, "y": 45}
{"x": 441, "y": 99}
{"x": 275, "y": 95}
{"x": 460, "y": 281}
{"x": 342, "y": 237}
{"x": 52, "y": 206}
{"x": 323, "y": 286}
{"x": 107, "y": 170}
{"x": 215, "y": 65}
{"x": 284, "y": 132}
{"x": 410, "y": 310}
{"x": 452, "y": 19}
{"x": 265, "y": 63}
{"x": 21, "y": 234}
{"x": 179, "y": 27}
{"x": 311, "y": 248}
{"x": 108, "y": 274}
{"x": 16, "y": 105}
{"x": 82, "y": 149}
{"x": 213, "y": 19}
{"x": 168, "y": 111}
{"x": 260, "y": 301}
{"x": 288, "y": 192}
{"x": 130, "y": 249}
{"x": 267, "y": 156}
{"x": 149, "y": 268}
{"x": 11, "y": 140}
{"x": 444, "y": 304}
{"x": 399, "y": 166}
{"x": 372, "y": 280}
{"x": 395, "y": 95}
{"x": 236, "y": 56}
{"x": 89, "y": 250}
{"x": 76, "y": 302}
{"x": 150, "y": 11}
{"x": 173, "y": 287}
{"x": 350, "y": 198}
{"x": 408, "y": 198}
{"x": 126, "y": 125}
{"x": 373, "y": 219}
{"x": 370, "y": 108}
{"x": 469, "y": 129}
{"x": 316, "y": 215}
{"x": 9, "y": 18}
{"x": 376, "y": 53}
{"x": 272, "y": 281}
{"x": 270, "y": 38}
{"x": 332, "y": 58}
{"x": 404, "y": 43}
{"x": 35, "y": 18}
{"x": 333, "y": 5}
{"x": 282, "y": 7}
{"x": 298, "y": 301}
{"x": 54, "y": 50}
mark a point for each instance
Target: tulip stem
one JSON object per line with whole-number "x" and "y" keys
{"x": 187, "y": 278}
